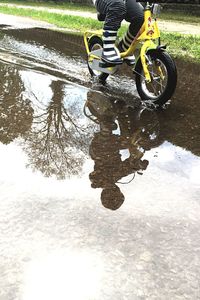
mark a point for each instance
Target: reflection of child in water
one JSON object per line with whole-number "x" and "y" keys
{"x": 138, "y": 131}
{"x": 109, "y": 166}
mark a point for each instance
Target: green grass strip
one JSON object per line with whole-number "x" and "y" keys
{"x": 180, "y": 17}
{"x": 185, "y": 46}
{"x": 60, "y": 5}
{"x": 61, "y": 20}
{"x": 166, "y": 15}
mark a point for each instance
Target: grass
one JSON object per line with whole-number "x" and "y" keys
{"x": 185, "y": 46}
{"x": 61, "y": 5}
{"x": 180, "y": 17}
{"x": 64, "y": 21}
{"x": 166, "y": 15}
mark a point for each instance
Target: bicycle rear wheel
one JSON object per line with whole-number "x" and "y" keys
{"x": 96, "y": 43}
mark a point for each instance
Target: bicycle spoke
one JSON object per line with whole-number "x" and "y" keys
{"x": 158, "y": 80}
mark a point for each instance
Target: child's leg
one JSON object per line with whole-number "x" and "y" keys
{"x": 115, "y": 11}
{"x": 134, "y": 15}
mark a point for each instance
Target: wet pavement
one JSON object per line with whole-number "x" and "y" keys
{"x": 99, "y": 196}
{"x": 23, "y": 22}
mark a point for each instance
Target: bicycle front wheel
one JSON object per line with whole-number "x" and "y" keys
{"x": 163, "y": 74}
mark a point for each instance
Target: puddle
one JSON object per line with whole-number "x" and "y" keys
{"x": 96, "y": 191}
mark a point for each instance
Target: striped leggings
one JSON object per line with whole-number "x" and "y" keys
{"x": 117, "y": 10}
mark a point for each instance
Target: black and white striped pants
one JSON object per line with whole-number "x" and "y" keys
{"x": 117, "y": 10}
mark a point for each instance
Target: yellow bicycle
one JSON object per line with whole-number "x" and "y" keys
{"x": 154, "y": 69}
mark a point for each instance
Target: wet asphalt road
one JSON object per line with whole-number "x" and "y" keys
{"x": 94, "y": 210}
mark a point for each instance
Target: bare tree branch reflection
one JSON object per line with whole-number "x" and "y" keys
{"x": 58, "y": 141}
{"x": 16, "y": 113}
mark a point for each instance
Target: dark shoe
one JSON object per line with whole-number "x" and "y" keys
{"x": 111, "y": 61}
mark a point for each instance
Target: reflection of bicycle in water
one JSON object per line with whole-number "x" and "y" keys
{"x": 118, "y": 147}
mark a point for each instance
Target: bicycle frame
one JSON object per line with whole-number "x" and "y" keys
{"x": 146, "y": 36}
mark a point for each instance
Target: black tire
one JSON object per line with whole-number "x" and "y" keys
{"x": 94, "y": 43}
{"x": 166, "y": 86}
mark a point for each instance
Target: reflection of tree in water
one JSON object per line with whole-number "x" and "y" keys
{"x": 16, "y": 113}
{"x": 57, "y": 142}
{"x": 137, "y": 131}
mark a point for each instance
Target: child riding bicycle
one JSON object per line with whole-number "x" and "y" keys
{"x": 114, "y": 12}
{"x": 154, "y": 69}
